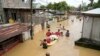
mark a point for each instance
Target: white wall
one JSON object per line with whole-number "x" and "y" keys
{"x": 75, "y": 27}
{"x": 96, "y": 29}
{"x": 95, "y": 34}
{"x": 87, "y": 27}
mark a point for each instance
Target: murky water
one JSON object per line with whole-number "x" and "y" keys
{"x": 87, "y": 51}
{"x": 64, "y": 47}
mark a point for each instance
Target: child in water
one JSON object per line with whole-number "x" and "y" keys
{"x": 63, "y": 28}
{"x": 67, "y": 33}
{"x": 44, "y": 44}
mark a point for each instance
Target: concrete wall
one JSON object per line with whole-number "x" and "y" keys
{"x": 96, "y": 29}
{"x": 87, "y": 27}
{"x": 1, "y": 11}
{"x": 75, "y": 27}
{"x": 15, "y": 4}
{"x": 92, "y": 31}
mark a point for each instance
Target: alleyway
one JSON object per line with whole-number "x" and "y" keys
{"x": 64, "y": 47}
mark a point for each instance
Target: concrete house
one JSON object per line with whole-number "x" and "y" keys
{"x": 91, "y": 29}
{"x": 92, "y": 21}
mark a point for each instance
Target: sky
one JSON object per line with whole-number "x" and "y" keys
{"x": 75, "y": 3}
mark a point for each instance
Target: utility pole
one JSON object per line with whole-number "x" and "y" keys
{"x": 31, "y": 12}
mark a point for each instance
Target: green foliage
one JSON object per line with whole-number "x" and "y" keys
{"x": 91, "y": 5}
{"x": 42, "y": 6}
{"x": 84, "y": 7}
{"x": 50, "y": 6}
{"x": 94, "y": 5}
{"x": 55, "y": 6}
{"x": 91, "y": 2}
{"x": 61, "y": 6}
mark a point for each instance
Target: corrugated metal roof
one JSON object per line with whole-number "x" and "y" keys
{"x": 93, "y": 11}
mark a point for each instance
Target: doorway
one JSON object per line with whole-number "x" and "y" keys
{"x": 14, "y": 16}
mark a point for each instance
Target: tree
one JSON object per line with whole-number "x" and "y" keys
{"x": 79, "y": 8}
{"x": 90, "y": 5}
{"x": 91, "y": 2}
{"x": 42, "y": 6}
{"x": 55, "y": 6}
{"x": 96, "y": 5}
{"x": 61, "y": 6}
{"x": 50, "y": 6}
{"x": 84, "y": 7}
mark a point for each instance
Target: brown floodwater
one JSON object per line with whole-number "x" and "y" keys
{"x": 64, "y": 47}
{"x": 87, "y": 51}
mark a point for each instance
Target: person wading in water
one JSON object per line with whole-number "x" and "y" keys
{"x": 44, "y": 44}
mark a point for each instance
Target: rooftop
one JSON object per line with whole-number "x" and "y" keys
{"x": 92, "y": 12}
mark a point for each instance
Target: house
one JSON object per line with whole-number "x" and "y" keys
{"x": 12, "y": 34}
{"x": 60, "y": 15}
{"x": 18, "y": 10}
{"x": 92, "y": 20}
{"x": 91, "y": 29}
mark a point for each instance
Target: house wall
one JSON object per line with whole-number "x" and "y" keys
{"x": 87, "y": 27}
{"x": 15, "y": 4}
{"x": 1, "y": 11}
{"x": 22, "y": 14}
{"x": 75, "y": 27}
{"x": 91, "y": 31}
{"x": 25, "y": 16}
{"x": 96, "y": 29}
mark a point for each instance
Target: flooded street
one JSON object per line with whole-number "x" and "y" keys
{"x": 64, "y": 47}
{"x": 39, "y": 27}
